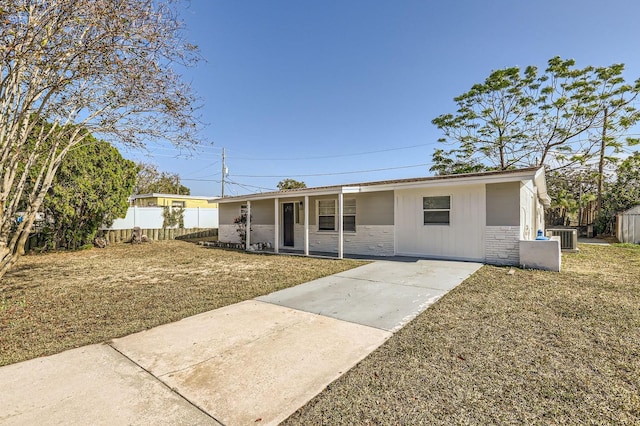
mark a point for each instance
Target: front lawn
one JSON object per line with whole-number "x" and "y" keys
{"x": 529, "y": 348}
{"x": 58, "y": 301}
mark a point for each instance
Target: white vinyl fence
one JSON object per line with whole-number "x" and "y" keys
{"x": 151, "y": 218}
{"x": 628, "y": 225}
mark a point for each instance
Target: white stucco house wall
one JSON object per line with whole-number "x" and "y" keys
{"x": 476, "y": 217}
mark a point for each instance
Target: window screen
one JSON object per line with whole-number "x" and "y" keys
{"x": 436, "y": 210}
{"x": 326, "y": 215}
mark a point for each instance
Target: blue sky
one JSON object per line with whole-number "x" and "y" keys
{"x": 315, "y": 90}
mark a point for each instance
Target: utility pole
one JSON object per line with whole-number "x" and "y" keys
{"x": 224, "y": 173}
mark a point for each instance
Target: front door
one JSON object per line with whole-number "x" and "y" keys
{"x": 287, "y": 219}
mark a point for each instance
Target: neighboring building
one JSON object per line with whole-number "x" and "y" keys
{"x": 476, "y": 217}
{"x": 628, "y": 226}
{"x": 172, "y": 200}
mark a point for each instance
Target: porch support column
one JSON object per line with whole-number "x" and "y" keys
{"x": 248, "y": 228}
{"x": 340, "y": 226}
{"x": 276, "y": 226}
{"x": 306, "y": 225}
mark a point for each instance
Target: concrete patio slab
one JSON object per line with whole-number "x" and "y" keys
{"x": 90, "y": 385}
{"x": 252, "y": 362}
{"x": 383, "y": 294}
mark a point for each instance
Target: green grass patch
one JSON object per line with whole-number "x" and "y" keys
{"x": 58, "y": 301}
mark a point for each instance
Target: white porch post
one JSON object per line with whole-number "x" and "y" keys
{"x": 306, "y": 225}
{"x": 276, "y": 226}
{"x": 248, "y": 229}
{"x": 340, "y": 226}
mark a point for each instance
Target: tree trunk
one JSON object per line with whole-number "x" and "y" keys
{"x": 603, "y": 145}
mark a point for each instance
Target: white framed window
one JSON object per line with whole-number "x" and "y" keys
{"x": 436, "y": 210}
{"x": 327, "y": 215}
{"x": 298, "y": 211}
{"x": 349, "y": 215}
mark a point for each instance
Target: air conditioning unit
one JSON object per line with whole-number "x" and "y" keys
{"x": 568, "y": 238}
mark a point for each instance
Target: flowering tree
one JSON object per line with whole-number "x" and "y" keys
{"x": 101, "y": 67}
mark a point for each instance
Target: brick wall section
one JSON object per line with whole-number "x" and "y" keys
{"x": 259, "y": 234}
{"x": 502, "y": 245}
{"x": 262, "y": 233}
{"x": 228, "y": 234}
{"x": 375, "y": 240}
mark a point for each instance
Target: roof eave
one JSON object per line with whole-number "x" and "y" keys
{"x": 541, "y": 185}
{"x": 435, "y": 181}
{"x": 159, "y": 195}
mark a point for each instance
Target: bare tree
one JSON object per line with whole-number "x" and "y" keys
{"x": 102, "y": 67}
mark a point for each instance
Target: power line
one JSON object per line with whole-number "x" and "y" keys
{"x": 201, "y": 180}
{"x": 239, "y": 185}
{"x": 337, "y": 173}
{"x": 330, "y": 156}
{"x": 245, "y": 185}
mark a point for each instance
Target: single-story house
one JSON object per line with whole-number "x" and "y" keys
{"x": 172, "y": 200}
{"x": 628, "y": 226}
{"x": 476, "y": 217}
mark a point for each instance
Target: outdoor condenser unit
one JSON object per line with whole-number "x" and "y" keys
{"x": 568, "y": 238}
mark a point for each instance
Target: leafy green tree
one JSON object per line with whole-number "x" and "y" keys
{"x": 573, "y": 190}
{"x": 621, "y": 193}
{"x": 555, "y": 118}
{"x": 445, "y": 164}
{"x": 290, "y": 184}
{"x": 84, "y": 66}
{"x": 493, "y": 121}
{"x": 150, "y": 180}
{"x": 172, "y": 217}
{"x": 90, "y": 189}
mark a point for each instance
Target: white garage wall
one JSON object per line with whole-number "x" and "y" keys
{"x": 462, "y": 239}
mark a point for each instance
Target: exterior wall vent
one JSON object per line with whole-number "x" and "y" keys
{"x": 568, "y": 238}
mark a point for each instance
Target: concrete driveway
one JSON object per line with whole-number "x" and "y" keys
{"x": 254, "y": 362}
{"x": 383, "y": 294}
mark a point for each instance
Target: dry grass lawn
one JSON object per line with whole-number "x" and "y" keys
{"x": 530, "y": 348}
{"x": 53, "y": 302}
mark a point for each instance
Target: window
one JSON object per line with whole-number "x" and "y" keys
{"x": 349, "y": 215}
{"x": 436, "y": 210}
{"x": 298, "y": 212}
{"x": 327, "y": 215}
{"x": 177, "y": 204}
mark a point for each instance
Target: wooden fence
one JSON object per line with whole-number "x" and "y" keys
{"x": 124, "y": 235}
{"x": 37, "y": 240}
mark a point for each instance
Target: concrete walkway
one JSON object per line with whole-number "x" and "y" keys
{"x": 255, "y": 362}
